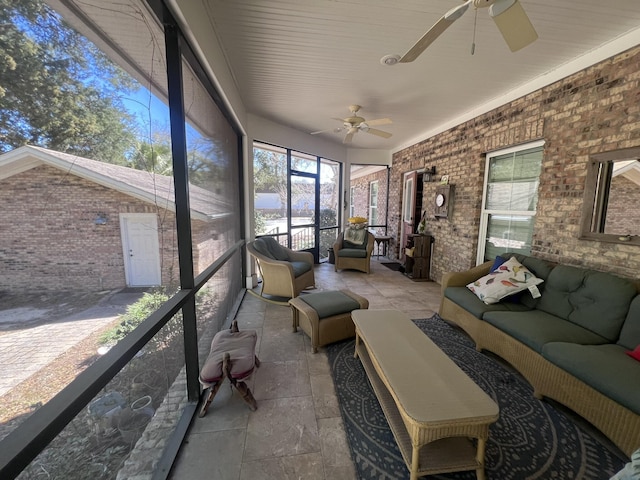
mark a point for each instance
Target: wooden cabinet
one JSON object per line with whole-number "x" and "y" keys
{"x": 418, "y": 257}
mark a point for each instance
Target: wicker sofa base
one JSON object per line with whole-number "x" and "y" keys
{"x": 618, "y": 423}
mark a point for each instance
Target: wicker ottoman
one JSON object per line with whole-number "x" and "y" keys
{"x": 326, "y": 316}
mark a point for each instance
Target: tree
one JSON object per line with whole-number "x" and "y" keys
{"x": 270, "y": 174}
{"x": 57, "y": 89}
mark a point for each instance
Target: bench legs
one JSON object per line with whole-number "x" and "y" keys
{"x": 240, "y": 385}
{"x": 243, "y": 389}
{"x": 212, "y": 393}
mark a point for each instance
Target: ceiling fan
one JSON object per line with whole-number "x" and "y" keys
{"x": 355, "y": 123}
{"x": 509, "y": 16}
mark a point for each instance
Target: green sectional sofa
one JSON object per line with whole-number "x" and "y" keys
{"x": 572, "y": 343}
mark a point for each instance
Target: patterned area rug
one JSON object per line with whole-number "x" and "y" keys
{"x": 530, "y": 440}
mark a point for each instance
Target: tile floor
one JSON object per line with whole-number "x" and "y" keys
{"x": 297, "y": 431}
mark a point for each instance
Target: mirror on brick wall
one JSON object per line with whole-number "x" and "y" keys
{"x": 612, "y": 197}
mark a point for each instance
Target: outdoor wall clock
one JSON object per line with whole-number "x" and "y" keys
{"x": 444, "y": 195}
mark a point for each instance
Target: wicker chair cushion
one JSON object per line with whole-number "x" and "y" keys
{"x": 300, "y": 267}
{"x": 535, "y": 328}
{"x": 353, "y": 252}
{"x": 465, "y": 298}
{"x": 269, "y": 247}
{"x": 630, "y": 333}
{"x": 241, "y": 347}
{"x": 357, "y": 246}
{"x": 328, "y": 304}
{"x": 605, "y": 368}
{"x": 594, "y": 300}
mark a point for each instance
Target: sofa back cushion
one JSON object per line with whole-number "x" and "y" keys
{"x": 594, "y": 300}
{"x": 630, "y": 333}
{"x": 540, "y": 268}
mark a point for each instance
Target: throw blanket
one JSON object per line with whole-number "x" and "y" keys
{"x": 355, "y": 236}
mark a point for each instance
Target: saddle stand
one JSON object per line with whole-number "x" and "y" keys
{"x": 232, "y": 356}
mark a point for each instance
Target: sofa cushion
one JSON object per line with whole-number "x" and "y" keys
{"x": 605, "y": 368}
{"x": 535, "y": 328}
{"x": 540, "y": 268}
{"x": 594, "y": 300}
{"x": 352, "y": 252}
{"x": 635, "y": 353}
{"x": 330, "y": 303}
{"x": 630, "y": 333}
{"x": 509, "y": 278}
{"x": 466, "y": 299}
{"x": 300, "y": 267}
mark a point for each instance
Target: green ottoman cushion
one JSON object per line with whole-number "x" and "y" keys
{"x": 330, "y": 303}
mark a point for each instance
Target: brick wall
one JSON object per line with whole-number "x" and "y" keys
{"x": 361, "y": 198}
{"x": 623, "y": 207}
{"x": 592, "y": 111}
{"x": 49, "y": 241}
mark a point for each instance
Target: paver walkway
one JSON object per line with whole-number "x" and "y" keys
{"x": 24, "y": 352}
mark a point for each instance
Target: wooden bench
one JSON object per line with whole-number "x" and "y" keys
{"x": 232, "y": 356}
{"x": 433, "y": 408}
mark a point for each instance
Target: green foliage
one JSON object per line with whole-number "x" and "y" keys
{"x": 57, "y": 89}
{"x": 260, "y": 221}
{"x": 328, "y": 217}
{"x": 134, "y": 316}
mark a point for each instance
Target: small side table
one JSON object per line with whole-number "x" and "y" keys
{"x": 384, "y": 240}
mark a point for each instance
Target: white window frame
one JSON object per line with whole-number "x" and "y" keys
{"x": 352, "y": 197}
{"x": 485, "y": 214}
{"x": 373, "y": 207}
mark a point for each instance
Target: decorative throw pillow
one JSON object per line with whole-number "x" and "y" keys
{"x": 509, "y": 278}
{"x": 631, "y": 470}
{"x": 496, "y": 264}
{"x": 635, "y": 353}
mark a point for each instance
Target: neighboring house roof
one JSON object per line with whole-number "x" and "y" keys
{"x": 149, "y": 187}
{"x": 629, "y": 169}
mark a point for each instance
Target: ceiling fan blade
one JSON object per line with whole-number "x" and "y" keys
{"x": 380, "y": 133}
{"x": 513, "y": 23}
{"x": 348, "y": 137}
{"x": 322, "y": 131}
{"x": 379, "y": 121}
{"x": 434, "y": 32}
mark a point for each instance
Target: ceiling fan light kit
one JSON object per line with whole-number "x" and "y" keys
{"x": 513, "y": 23}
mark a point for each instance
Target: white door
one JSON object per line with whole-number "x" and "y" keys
{"x": 408, "y": 208}
{"x": 141, "y": 249}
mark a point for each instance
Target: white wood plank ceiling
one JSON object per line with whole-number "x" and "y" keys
{"x": 302, "y": 62}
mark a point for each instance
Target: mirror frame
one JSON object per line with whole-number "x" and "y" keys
{"x": 596, "y": 195}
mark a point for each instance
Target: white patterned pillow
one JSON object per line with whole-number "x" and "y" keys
{"x": 509, "y": 278}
